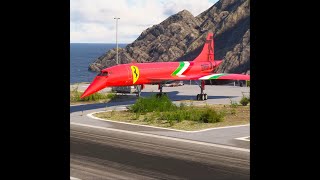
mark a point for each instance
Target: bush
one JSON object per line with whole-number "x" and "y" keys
{"x": 111, "y": 96}
{"x": 75, "y": 96}
{"x": 95, "y": 97}
{"x": 153, "y": 104}
{"x": 178, "y": 116}
{"x": 207, "y": 115}
{"x": 244, "y": 101}
{"x": 211, "y": 116}
{"x": 163, "y": 108}
{"x": 233, "y": 104}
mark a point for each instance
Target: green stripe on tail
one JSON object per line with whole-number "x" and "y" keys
{"x": 179, "y": 68}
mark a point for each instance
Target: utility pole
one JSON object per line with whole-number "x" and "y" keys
{"x": 116, "y": 18}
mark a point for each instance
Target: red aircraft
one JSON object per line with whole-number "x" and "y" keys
{"x": 137, "y": 74}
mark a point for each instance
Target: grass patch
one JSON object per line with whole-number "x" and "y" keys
{"x": 161, "y": 112}
{"x": 173, "y": 113}
{"x": 240, "y": 116}
{"x": 233, "y": 103}
{"x": 205, "y": 114}
{"x": 96, "y": 97}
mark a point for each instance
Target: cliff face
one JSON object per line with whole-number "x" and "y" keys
{"x": 181, "y": 37}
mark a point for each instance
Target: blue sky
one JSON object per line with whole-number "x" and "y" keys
{"x": 91, "y": 21}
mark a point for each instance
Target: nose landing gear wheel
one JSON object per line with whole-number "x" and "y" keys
{"x": 160, "y": 94}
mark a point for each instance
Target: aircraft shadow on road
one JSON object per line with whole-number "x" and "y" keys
{"x": 173, "y": 95}
{"x": 85, "y": 107}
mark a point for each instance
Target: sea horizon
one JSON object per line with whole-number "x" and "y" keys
{"x": 82, "y": 55}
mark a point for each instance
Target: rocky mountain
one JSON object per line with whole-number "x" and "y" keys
{"x": 181, "y": 37}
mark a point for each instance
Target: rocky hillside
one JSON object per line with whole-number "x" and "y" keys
{"x": 181, "y": 37}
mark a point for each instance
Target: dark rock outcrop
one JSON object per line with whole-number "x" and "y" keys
{"x": 181, "y": 37}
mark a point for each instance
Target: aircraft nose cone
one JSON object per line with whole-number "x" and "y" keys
{"x": 97, "y": 84}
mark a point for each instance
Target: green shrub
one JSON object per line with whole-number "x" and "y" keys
{"x": 111, "y": 96}
{"x": 164, "y": 109}
{"x": 233, "y": 103}
{"x": 75, "y": 96}
{"x": 207, "y": 115}
{"x": 153, "y": 104}
{"x": 244, "y": 101}
{"x": 95, "y": 97}
{"x": 211, "y": 116}
{"x": 178, "y": 116}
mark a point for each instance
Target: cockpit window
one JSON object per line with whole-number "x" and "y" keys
{"x": 103, "y": 74}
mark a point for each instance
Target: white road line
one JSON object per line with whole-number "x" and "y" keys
{"x": 90, "y": 115}
{"x": 73, "y": 178}
{"x": 78, "y": 104}
{"x": 164, "y": 137}
{"x": 243, "y": 138}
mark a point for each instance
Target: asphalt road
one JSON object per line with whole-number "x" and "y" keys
{"x": 102, "y": 154}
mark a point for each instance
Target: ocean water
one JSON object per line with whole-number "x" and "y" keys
{"x": 83, "y": 54}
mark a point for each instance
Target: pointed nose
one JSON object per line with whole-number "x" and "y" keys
{"x": 97, "y": 84}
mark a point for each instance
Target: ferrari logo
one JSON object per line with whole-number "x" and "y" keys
{"x": 135, "y": 73}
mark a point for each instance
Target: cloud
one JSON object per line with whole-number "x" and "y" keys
{"x": 93, "y": 20}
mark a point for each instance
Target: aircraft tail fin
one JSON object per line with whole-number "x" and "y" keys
{"x": 207, "y": 53}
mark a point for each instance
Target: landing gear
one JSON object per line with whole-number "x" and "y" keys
{"x": 202, "y": 96}
{"x": 160, "y": 93}
{"x": 138, "y": 88}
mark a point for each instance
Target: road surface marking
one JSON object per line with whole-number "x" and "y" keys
{"x": 73, "y": 178}
{"x": 164, "y": 137}
{"x": 243, "y": 138}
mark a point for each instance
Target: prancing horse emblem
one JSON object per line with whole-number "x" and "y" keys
{"x": 135, "y": 73}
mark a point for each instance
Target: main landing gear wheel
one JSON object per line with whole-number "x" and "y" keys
{"x": 202, "y": 96}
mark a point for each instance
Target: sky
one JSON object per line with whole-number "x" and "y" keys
{"x": 92, "y": 21}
